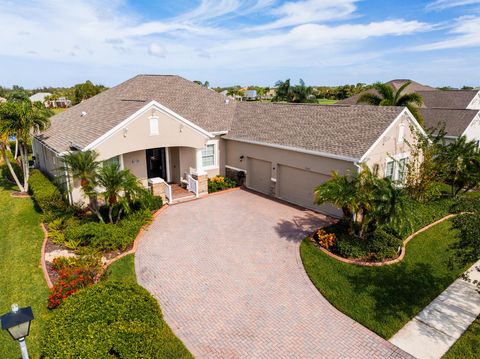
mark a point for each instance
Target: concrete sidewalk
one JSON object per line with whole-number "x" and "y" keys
{"x": 437, "y": 327}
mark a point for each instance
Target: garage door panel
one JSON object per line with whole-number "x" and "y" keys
{"x": 259, "y": 174}
{"x": 297, "y": 186}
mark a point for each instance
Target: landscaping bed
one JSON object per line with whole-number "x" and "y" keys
{"x": 220, "y": 183}
{"x": 385, "y": 298}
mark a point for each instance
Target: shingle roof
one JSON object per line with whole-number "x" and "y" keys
{"x": 340, "y": 130}
{"x": 455, "y": 121}
{"x": 204, "y": 107}
{"x": 453, "y": 99}
{"x": 347, "y": 131}
{"x": 396, "y": 84}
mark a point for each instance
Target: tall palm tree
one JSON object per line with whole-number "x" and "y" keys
{"x": 120, "y": 187}
{"x": 387, "y": 96}
{"x": 4, "y": 147}
{"x": 22, "y": 119}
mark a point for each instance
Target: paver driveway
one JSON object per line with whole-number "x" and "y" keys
{"x": 228, "y": 275}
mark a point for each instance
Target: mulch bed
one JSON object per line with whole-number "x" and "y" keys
{"x": 17, "y": 194}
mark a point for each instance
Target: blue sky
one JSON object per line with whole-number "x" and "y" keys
{"x": 228, "y": 42}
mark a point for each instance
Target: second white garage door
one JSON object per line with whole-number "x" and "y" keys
{"x": 296, "y": 185}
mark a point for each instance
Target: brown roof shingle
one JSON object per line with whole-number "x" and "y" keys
{"x": 455, "y": 121}
{"x": 347, "y": 131}
{"x": 204, "y": 107}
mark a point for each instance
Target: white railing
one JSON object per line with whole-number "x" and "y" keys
{"x": 192, "y": 185}
{"x": 168, "y": 192}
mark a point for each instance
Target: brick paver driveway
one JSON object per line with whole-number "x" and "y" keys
{"x": 228, "y": 275}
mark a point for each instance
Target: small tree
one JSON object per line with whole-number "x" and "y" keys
{"x": 367, "y": 201}
{"x": 21, "y": 119}
{"x": 121, "y": 187}
{"x": 460, "y": 165}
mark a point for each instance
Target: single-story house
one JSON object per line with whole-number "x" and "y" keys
{"x": 166, "y": 129}
{"x": 457, "y": 110}
{"x": 40, "y": 97}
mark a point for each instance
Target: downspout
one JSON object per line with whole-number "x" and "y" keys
{"x": 67, "y": 180}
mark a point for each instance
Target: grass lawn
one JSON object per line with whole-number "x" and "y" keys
{"x": 122, "y": 270}
{"x": 468, "y": 346}
{"x": 385, "y": 298}
{"x": 21, "y": 278}
{"x": 57, "y": 110}
{"x": 324, "y": 101}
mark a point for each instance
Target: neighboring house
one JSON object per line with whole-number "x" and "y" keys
{"x": 40, "y": 97}
{"x": 251, "y": 95}
{"x": 61, "y": 102}
{"x": 170, "y": 128}
{"x": 457, "y": 110}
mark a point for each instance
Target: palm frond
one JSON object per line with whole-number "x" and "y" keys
{"x": 370, "y": 99}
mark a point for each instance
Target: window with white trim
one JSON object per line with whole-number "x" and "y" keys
{"x": 401, "y": 168}
{"x": 208, "y": 156}
{"x": 112, "y": 161}
{"x": 389, "y": 170}
{"x": 153, "y": 125}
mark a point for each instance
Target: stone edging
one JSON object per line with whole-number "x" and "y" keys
{"x": 43, "y": 264}
{"x": 391, "y": 261}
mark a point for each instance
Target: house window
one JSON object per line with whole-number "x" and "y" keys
{"x": 208, "y": 156}
{"x": 401, "y": 169}
{"x": 153, "y": 125}
{"x": 389, "y": 170}
{"x": 112, "y": 161}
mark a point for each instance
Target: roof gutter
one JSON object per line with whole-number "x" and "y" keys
{"x": 296, "y": 149}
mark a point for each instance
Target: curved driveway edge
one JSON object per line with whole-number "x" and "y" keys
{"x": 228, "y": 275}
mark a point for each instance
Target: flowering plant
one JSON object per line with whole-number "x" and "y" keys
{"x": 324, "y": 239}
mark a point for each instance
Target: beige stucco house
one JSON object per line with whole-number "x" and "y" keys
{"x": 171, "y": 131}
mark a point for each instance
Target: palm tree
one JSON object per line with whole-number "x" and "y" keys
{"x": 120, "y": 187}
{"x": 83, "y": 166}
{"x": 387, "y": 96}
{"x": 21, "y": 119}
{"x": 4, "y": 134}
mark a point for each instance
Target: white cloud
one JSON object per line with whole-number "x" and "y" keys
{"x": 157, "y": 50}
{"x": 465, "y": 33}
{"x": 310, "y": 11}
{"x": 447, "y": 4}
{"x": 314, "y": 35}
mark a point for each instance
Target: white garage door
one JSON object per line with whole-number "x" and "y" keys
{"x": 297, "y": 185}
{"x": 259, "y": 174}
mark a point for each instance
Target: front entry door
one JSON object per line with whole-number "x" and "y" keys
{"x": 156, "y": 163}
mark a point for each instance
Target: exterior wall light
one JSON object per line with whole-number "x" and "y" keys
{"x": 17, "y": 323}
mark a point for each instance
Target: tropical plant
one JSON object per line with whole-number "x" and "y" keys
{"x": 21, "y": 119}
{"x": 367, "y": 202}
{"x": 459, "y": 164}
{"x": 298, "y": 93}
{"x": 83, "y": 166}
{"x": 120, "y": 187}
{"x": 387, "y": 96}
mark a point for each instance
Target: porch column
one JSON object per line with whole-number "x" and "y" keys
{"x": 200, "y": 175}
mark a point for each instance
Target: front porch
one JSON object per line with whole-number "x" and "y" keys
{"x": 174, "y": 173}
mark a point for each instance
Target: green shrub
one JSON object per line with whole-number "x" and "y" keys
{"x": 147, "y": 201}
{"x": 108, "y": 236}
{"x": 16, "y": 168}
{"x": 466, "y": 204}
{"x": 46, "y": 195}
{"x": 383, "y": 245}
{"x": 468, "y": 246}
{"x": 110, "y": 320}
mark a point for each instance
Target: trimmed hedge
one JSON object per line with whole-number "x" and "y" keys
{"x": 45, "y": 194}
{"x": 110, "y": 320}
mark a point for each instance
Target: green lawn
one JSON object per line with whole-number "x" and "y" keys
{"x": 468, "y": 346}
{"x": 385, "y": 298}
{"x": 21, "y": 278}
{"x": 122, "y": 270}
{"x": 324, "y": 101}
